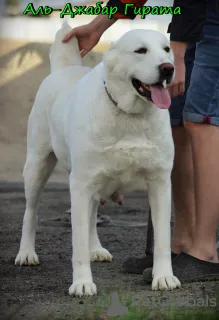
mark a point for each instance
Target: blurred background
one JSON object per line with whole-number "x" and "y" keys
{"x": 24, "y": 63}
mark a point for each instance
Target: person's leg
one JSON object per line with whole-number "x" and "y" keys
{"x": 199, "y": 262}
{"x": 183, "y": 191}
{"x": 201, "y": 121}
{"x": 182, "y": 173}
{"x": 205, "y": 147}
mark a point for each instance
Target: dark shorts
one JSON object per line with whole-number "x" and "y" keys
{"x": 178, "y": 103}
{"x": 200, "y": 103}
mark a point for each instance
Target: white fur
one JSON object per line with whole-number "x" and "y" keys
{"x": 105, "y": 149}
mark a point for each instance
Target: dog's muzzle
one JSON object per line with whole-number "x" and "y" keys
{"x": 157, "y": 92}
{"x": 166, "y": 72}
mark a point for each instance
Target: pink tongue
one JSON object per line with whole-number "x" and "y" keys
{"x": 160, "y": 96}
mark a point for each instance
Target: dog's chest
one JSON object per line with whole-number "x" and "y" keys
{"x": 131, "y": 155}
{"x": 128, "y": 166}
{"x": 134, "y": 158}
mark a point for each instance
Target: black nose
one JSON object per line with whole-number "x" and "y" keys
{"x": 166, "y": 70}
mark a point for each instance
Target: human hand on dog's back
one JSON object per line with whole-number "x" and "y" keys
{"x": 89, "y": 35}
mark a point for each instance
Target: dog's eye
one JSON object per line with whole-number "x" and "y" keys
{"x": 141, "y": 51}
{"x": 167, "y": 49}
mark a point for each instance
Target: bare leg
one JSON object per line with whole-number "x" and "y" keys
{"x": 205, "y": 148}
{"x": 97, "y": 252}
{"x": 160, "y": 201}
{"x": 37, "y": 170}
{"x": 183, "y": 191}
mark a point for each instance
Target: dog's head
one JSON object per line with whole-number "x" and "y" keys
{"x": 140, "y": 65}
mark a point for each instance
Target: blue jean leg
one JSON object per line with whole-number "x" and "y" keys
{"x": 202, "y": 101}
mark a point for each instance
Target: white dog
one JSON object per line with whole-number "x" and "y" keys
{"x": 110, "y": 128}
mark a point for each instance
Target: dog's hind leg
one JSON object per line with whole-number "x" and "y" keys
{"x": 97, "y": 252}
{"x": 38, "y": 168}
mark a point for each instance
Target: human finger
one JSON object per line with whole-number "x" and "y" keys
{"x": 181, "y": 88}
{"x": 83, "y": 52}
{"x": 69, "y": 36}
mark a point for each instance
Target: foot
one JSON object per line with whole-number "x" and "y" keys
{"x": 137, "y": 265}
{"x": 163, "y": 278}
{"x": 190, "y": 269}
{"x": 203, "y": 254}
{"x": 100, "y": 254}
{"x": 83, "y": 287}
{"x": 165, "y": 283}
{"x": 27, "y": 257}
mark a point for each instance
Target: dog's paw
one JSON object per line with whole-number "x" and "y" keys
{"x": 83, "y": 288}
{"x": 165, "y": 283}
{"x": 100, "y": 254}
{"x": 27, "y": 257}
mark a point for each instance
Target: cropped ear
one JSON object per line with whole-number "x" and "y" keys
{"x": 111, "y": 59}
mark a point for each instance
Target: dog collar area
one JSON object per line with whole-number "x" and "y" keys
{"x": 109, "y": 95}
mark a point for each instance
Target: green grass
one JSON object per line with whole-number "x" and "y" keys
{"x": 171, "y": 314}
{"x": 169, "y": 311}
{"x": 146, "y": 314}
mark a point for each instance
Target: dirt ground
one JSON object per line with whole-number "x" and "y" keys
{"x": 42, "y": 292}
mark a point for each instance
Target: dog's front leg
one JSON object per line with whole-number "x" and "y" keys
{"x": 81, "y": 206}
{"x": 160, "y": 201}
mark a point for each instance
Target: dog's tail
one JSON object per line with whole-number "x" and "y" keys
{"x": 64, "y": 54}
